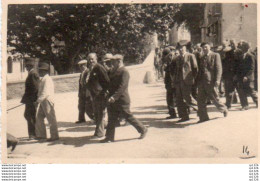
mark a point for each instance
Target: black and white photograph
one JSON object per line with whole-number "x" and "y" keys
{"x": 129, "y": 83}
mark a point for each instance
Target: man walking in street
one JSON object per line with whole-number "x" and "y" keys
{"x": 98, "y": 85}
{"x": 186, "y": 74}
{"x": 85, "y": 104}
{"x": 119, "y": 100}
{"x": 170, "y": 72}
{"x": 45, "y": 105}
{"x": 30, "y": 96}
{"x": 245, "y": 75}
{"x": 209, "y": 79}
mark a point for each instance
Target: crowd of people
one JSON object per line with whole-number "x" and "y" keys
{"x": 195, "y": 76}
{"x": 103, "y": 88}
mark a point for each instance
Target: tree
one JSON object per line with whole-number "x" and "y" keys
{"x": 192, "y": 15}
{"x": 35, "y": 30}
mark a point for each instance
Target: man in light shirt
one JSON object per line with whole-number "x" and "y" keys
{"x": 45, "y": 105}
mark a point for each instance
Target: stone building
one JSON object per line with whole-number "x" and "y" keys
{"x": 230, "y": 21}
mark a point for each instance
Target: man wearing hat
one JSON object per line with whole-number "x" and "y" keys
{"x": 45, "y": 105}
{"x": 169, "y": 78}
{"x": 209, "y": 79}
{"x": 119, "y": 100}
{"x": 187, "y": 70}
{"x": 106, "y": 61}
{"x": 85, "y": 101}
{"x": 98, "y": 83}
{"x": 30, "y": 96}
{"x": 245, "y": 75}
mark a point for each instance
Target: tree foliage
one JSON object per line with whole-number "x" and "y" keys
{"x": 34, "y": 30}
{"x": 192, "y": 14}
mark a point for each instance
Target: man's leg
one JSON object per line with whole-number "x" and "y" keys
{"x": 99, "y": 108}
{"x": 48, "y": 108}
{"x": 170, "y": 102}
{"x": 212, "y": 92}
{"x": 202, "y": 103}
{"x": 89, "y": 108}
{"x": 112, "y": 120}
{"x": 181, "y": 106}
{"x": 40, "y": 128}
{"x": 125, "y": 111}
{"x": 30, "y": 116}
{"x": 251, "y": 91}
{"x": 81, "y": 107}
{"x": 242, "y": 94}
{"x": 229, "y": 91}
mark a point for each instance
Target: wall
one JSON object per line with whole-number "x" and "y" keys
{"x": 69, "y": 83}
{"x": 62, "y": 83}
{"x": 239, "y": 22}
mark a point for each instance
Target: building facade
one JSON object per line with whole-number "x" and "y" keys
{"x": 227, "y": 21}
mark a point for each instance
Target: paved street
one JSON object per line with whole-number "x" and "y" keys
{"x": 219, "y": 138}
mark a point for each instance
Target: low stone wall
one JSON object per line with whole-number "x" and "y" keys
{"x": 62, "y": 83}
{"x": 69, "y": 82}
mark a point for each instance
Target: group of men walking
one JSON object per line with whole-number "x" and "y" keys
{"x": 103, "y": 87}
{"x": 193, "y": 77}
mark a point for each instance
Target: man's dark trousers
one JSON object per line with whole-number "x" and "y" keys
{"x": 170, "y": 99}
{"x": 85, "y": 106}
{"x": 115, "y": 111}
{"x": 244, "y": 89}
{"x": 208, "y": 91}
{"x": 30, "y": 116}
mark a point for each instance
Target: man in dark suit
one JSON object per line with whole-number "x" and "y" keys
{"x": 119, "y": 100}
{"x": 170, "y": 71}
{"x": 209, "y": 79}
{"x": 186, "y": 74}
{"x": 85, "y": 104}
{"x": 98, "y": 85}
{"x": 30, "y": 96}
{"x": 245, "y": 75}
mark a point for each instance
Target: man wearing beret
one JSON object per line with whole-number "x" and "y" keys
{"x": 186, "y": 74}
{"x": 169, "y": 78}
{"x": 245, "y": 75}
{"x": 208, "y": 82}
{"x": 98, "y": 85}
{"x": 30, "y": 96}
{"x": 45, "y": 105}
{"x": 119, "y": 100}
{"x": 85, "y": 101}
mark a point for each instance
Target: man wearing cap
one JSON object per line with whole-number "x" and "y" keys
{"x": 98, "y": 85}
{"x": 186, "y": 74}
{"x": 245, "y": 75}
{"x": 85, "y": 101}
{"x": 119, "y": 100}
{"x": 169, "y": 78}
{"x": 209, "y": 79}
{"x": 45, "y": 105}
{"x": 30, "y": 96}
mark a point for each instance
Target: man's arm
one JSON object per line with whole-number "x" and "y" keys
{"x": 103, "y": 77}
{"x": 123, "y": 84}
{"x": 194, "y": 66}
{"x": 218, "y": 67}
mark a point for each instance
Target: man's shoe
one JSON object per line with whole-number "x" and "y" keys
{"x": 52, "y": 139}
{"x": 171, "y": 117}
{"x": 80, "y": 121}
{"x": 244, "y": 108}
{"x": 203, "y": 120}
{"x": 225, "y": 113}
{"x": 183, "y": 120}
{"x": 143, "y": 134}
{"x": 32, "y": 137}
{"x": 106, "y": 140}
